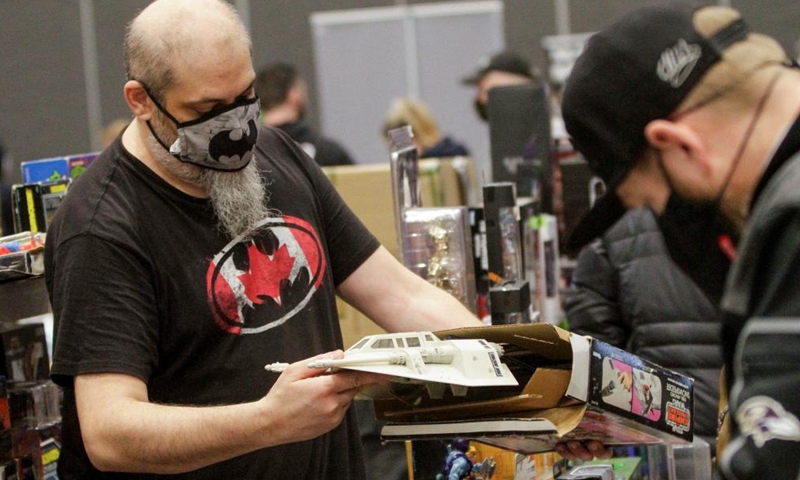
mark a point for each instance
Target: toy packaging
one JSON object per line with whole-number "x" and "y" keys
{"x": 21, "y": 255}
{"x": 45, "y": 170}
{"x": 25, "y": 357}
{"x": 79, "y": 163}
{"x": 437, "y": 246}
{"x": 570, "y": 387}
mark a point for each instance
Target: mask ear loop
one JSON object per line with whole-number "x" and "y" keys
{"x": 748, "y": 133}
{"x": 157, "y": 103}
{"x": 162, "y": 110}
{"x": 742, "y": 145}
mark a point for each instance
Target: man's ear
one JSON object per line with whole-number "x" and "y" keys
{"x": 138, "y": 100}
{"x": 677, "y": 139}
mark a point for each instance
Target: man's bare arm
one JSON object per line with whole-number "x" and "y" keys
{"x": 123, "y": 431}
{"x": 398, "y": 300}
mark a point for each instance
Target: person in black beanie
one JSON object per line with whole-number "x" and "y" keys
{"x": 502, "y": 69}
{"x": 681, "y": 109}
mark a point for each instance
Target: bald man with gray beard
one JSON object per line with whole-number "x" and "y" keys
{"x": 199, "y": 248}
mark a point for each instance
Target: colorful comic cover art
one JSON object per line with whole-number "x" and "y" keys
{"x": 79, "y": 163}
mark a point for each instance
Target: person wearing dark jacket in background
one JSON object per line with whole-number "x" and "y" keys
{"x": 627, "y": 292}
{"x": 284, "y": 100}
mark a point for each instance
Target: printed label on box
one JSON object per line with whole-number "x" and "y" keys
{"x": 628, "y": 386}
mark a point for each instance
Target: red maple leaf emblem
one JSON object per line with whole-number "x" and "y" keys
{"x": 266, "y": 274}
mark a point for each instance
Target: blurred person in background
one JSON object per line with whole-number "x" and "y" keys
{"x": 427, "y": 137}
{"x": 503, "y": 69}
{"x": 284, "y": 100}
{"x": 113, "y": 129}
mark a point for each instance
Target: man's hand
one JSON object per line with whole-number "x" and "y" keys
{"x": 306, "y": 402}
{"x": 588, "y": 450}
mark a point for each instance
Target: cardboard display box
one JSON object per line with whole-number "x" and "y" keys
{"x": 571, "y": 387}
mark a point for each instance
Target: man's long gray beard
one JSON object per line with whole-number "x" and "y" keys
{"x": 239, "y": 198}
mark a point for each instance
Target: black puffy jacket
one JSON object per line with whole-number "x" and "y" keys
{"x": 627, "y": 292}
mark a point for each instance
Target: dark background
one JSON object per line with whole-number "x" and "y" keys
{"x": 61, "y": 70}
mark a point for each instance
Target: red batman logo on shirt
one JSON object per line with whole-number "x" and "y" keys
{"x": 269, "y": 272}
{"x": 256, "y": 285}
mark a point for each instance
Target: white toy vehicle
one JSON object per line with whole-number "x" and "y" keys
{"x": 421, "y": 357}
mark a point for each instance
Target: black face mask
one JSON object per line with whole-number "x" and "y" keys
{"x": 481, "y": 110}
{"x": 695, "y": 235}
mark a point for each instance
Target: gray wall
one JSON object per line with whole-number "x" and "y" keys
{"x": 48, "y": 108}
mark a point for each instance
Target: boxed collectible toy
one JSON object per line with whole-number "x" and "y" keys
{"x": 437, "y": 247}
{"x": 21, "y": 255}
{"x": 25, "y": 357}
{"x": 36, "y": 203}
{"x": 570, "y": 387}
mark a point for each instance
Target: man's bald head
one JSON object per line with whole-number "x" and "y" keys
{"x": 170, "y": 34}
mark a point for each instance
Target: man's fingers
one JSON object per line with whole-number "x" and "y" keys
{"x": 355, "y": 380}
{"x": 300, "y": 369}
{"x": 599, "y": 450}
{"x": 579, "y": 450}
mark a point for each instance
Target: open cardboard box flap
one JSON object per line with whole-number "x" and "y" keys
{"x": 559, "y": 396}
{"x": 545, "y": 349}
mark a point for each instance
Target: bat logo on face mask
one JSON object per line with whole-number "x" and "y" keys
{"x": 227, "y": 150}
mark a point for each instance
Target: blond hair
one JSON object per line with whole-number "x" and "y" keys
{"x": 409, "y": 111}
{"x": 738, "y": 64}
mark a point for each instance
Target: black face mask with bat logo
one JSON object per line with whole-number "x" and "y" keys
{"x": 222, "y": 139}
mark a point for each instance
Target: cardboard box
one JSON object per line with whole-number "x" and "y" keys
{"x": 571, "y": 387}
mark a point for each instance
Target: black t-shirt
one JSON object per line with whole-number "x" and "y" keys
{"x": 144, "y": 283}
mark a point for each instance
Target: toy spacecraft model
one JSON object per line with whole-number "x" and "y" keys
{"x": 422, "y": 358}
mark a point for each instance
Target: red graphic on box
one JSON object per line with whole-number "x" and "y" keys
{"x": 678, "y": 417}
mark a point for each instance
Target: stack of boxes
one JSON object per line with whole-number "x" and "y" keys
{"x": 45, "y": 183}
{"x": 29, "y": 405}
